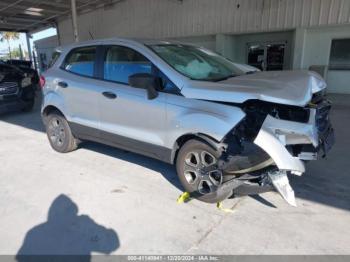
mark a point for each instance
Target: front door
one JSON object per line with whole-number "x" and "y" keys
{"x": 268, "y": 56}
{"x": 127, "y": 117}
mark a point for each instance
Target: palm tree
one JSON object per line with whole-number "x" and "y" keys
{"x": 7, "y": 36}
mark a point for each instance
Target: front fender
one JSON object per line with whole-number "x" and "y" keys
{"x": 214, "y": 126}
{"x": 210, "y": 119}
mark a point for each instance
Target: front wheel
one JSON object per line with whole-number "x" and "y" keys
{"x": 60, "y": 134}
{"x": 197, "y": 169}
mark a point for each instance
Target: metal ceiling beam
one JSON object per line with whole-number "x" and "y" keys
{"x": 21, "y": 25}
{"x": 10, "y": 5}
{"x": 20, "y": 19}
{"x": 55, "y": 4}
{"x": 15, "y": 19}
{"x": 21, "y": 8}
{"x": 6, "y": 29}
{"x": 64, "y": 13}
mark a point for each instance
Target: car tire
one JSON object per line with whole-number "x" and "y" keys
{"x": 193, "y": 156}
{"x": 59, "y": 133}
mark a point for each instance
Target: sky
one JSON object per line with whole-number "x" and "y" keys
{"x": 22, "y": 40}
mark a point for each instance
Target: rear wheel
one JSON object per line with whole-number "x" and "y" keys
{"x": 60, "y": 134}
{"x": 197, "y": 169}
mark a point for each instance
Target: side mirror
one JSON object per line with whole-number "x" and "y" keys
{"x": 146, "y": 81}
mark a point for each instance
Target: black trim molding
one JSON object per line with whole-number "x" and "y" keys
{"x": 88, "y": 133}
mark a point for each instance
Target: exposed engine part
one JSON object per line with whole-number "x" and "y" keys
{"x": 257, "y": 167}
{"x": 241, "y": 157}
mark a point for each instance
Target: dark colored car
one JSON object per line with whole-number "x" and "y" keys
{"x": 26, "y": 67}
{"x": 17, "y": 91}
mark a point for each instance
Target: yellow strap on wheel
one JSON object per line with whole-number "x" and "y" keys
{"x": 183, "y": 198}
{"x": 220, "y": 206}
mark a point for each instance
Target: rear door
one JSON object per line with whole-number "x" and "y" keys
{"x": 77, "y": 83}
{"x": 127, "y": 117}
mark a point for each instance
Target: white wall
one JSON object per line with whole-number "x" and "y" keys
{"x": 203, "y": 41}
{"x": 173, "y": 18}
{"x": 316, "y": 51}
{"x": 226, "y": 25}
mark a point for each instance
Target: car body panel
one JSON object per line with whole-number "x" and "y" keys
{"x": 203, "y": 108}
{"x": 77, "y": 102}
{"x": 191, "y": 116}
{"x": 132, "y": 114}
{"x": 282, "y": 87}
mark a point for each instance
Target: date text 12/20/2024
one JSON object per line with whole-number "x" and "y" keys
{"x": 173, "y": 258}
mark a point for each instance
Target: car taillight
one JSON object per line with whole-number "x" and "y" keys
{"x": 42, "y": 81}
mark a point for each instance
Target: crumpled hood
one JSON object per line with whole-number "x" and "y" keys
{"x": 282, "y": 87}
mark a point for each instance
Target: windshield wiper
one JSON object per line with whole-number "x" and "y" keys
{"x": 223, "y": 78}
{"x": 251, "y": 72}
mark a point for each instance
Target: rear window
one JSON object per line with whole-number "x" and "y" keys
{"x": 81, "y": 61}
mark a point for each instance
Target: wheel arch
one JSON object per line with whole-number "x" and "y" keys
{"x": 180, "y": 141}
{"x": 50, "y": 109}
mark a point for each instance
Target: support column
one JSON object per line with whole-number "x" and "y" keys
{"x": 58, "y": 33}
{"x": 29, "y": 47}
{"x": 74, "y": 20}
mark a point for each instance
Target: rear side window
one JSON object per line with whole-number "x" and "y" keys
{"x": 54, "y": 58}
{"x": 121, "y": 62}
{"x": 81, "y": 61}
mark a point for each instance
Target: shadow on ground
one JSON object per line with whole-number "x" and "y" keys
{"x": 66, "y": 233}
{"x": 326, "y": 181}
{"x": 32, "y": 120}
{"x": 167, "y": 170}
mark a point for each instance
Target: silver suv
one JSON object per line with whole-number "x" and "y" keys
{"x": 229, "y": 128}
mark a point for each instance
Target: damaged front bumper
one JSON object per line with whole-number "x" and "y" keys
{"x": 290, "y": 143}
{"x": 260, "y": 152}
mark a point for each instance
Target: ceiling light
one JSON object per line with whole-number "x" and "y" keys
{"x": 34, "y": 9}
{"x": 32, "y": 13}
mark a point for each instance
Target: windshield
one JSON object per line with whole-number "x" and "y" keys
{"x": 199, "y": 63}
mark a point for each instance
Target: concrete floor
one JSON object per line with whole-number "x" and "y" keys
{"x": 101, "y": 200}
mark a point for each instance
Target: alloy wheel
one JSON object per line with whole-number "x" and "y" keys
{"x": 201, "y": 171}
{"x": 56, "y": 131}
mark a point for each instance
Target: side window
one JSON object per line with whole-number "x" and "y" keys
{"x": 54, "y": 58}
{"x": 121, "y": 62}
{"x": 81, "y": 61}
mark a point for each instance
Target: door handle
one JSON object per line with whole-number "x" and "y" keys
{"x": 109, "y": 95}
{"x": 62, "y": 84}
